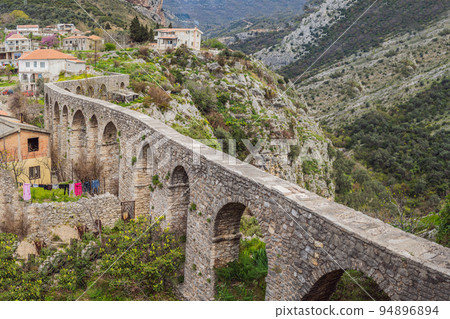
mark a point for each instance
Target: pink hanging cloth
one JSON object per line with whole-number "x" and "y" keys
{"x": 26, "y": 192}
{"x": 78, "y": 189}
{"x": 71, "y": 190}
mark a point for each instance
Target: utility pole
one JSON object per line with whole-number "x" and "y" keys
{"x": 95, "y": 54}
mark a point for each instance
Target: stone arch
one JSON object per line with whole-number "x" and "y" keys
{"x": 92, "y": 139}
{"x": 142, "y": 180}
{"x": 79, "y": 90}
{"x": 227, "y": 236}
{"x": 122, "y": 85}
{"x": 65, "y": 131}
{"x": 56, "y": 130}
{"x": 78, "y": 145}
{"x": 90, "y": 91}
{"x": 179, "y": 200}
{"x": 322, "y": 289}
{"x": 110, "y": 159}
{"x": 103, "y": 92}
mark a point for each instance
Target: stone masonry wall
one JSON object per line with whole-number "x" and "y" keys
{"x": 11, "y": 211}
{"x": 307, "y": 237}
{"x": 43, "y": 217}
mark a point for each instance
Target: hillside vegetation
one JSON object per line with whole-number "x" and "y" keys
{"x": 116, "y": 13}
{"x": 408, "y": 147}
{"x": 387, "y": 109}
{"x": 149, "y": 271}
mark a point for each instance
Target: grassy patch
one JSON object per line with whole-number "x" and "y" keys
{"x": 244, "y": 279}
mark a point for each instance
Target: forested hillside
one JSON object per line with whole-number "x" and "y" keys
{"x": 407, "y": 148}
{"x": 116, "y": 13}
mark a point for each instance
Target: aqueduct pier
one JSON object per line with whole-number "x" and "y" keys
{"x": 203, "y": 194}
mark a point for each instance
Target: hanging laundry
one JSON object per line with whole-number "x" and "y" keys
{"x": 71, "y": 189}
{"x": 48, "y": 187}
{"x": 78, "y": 189}
{"x": 95, "y": 186}
{"x": 35, "y": 185}
{"x": 65, "y": 187}
{"x": 86, "y": 187}
{"x": 26, "y": 192}
{"x": 55, "y": 186}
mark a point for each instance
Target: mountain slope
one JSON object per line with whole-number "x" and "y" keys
{"x": 217, "y": 12}
{"x": 319, "y": 30}
{"x": 387, "y": 109}
{"x": 117, "y": 13}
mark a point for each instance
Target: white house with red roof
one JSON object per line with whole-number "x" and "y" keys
{"x": 47, "y": 64}
{"x": 12, "y": 49}
{"x": 18, "y": 42}
{"x": 176, "y": 37}
{"x": 27, "y": 29}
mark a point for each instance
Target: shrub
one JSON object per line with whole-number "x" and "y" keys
{"x": 110, "y": 47}
{"x": 213, "y": 44}
{"x": 159, "y": 97}
{"x": 204, "y": 97}
{"x": 138, "y": 86}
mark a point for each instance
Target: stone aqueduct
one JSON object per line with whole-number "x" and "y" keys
{"x": 203, "y": 193}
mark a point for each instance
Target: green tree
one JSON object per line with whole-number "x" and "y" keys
{"x": 135, "y": 28}
{"x": 443, "y": 234}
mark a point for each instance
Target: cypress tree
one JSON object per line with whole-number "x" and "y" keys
{"x": 135, "y": 29}
{"x": 151, "y": 36}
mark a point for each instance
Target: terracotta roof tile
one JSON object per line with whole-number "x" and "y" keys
{"x": 76, "y": 37}
{"x": 47, "y": 54}
{"x": 16, "y": 37}
{"x": 26, "y": 26}
{"x": 95, "y": 37}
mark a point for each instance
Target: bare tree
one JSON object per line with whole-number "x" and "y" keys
{"x": 17, "y": 104}
{"x": 87, "y": 169}
{"x": 10, "y": 161}
{"x": 405, "y": 216}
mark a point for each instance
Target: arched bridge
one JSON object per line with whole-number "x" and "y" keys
{"x": 203, "y": 193}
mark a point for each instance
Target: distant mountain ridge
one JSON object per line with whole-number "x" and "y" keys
{"x": 211, "y": 13}
{"x": 331, "y": 18}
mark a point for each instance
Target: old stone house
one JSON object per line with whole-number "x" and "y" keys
{"x": 83, "y": 43}
{"x": 25, "y": 150}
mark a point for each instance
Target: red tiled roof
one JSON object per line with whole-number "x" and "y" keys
{"x": 16, "y": 37}
{"x": 3, "y": 113}
{"x": 77, "y": 37}
{"x": 95, "y": 37}
{"x": 47, "y": 54}
{"x": 177, "y": 29}
{"x": 26, "y": 26}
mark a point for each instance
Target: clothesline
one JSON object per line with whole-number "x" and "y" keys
{"x": 73, "y": 189}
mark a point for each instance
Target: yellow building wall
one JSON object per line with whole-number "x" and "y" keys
{"x": 45, "y": 166}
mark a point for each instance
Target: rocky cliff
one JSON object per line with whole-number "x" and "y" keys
{"x": 311, "y": 28}
{"x": 150, "y": 8}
